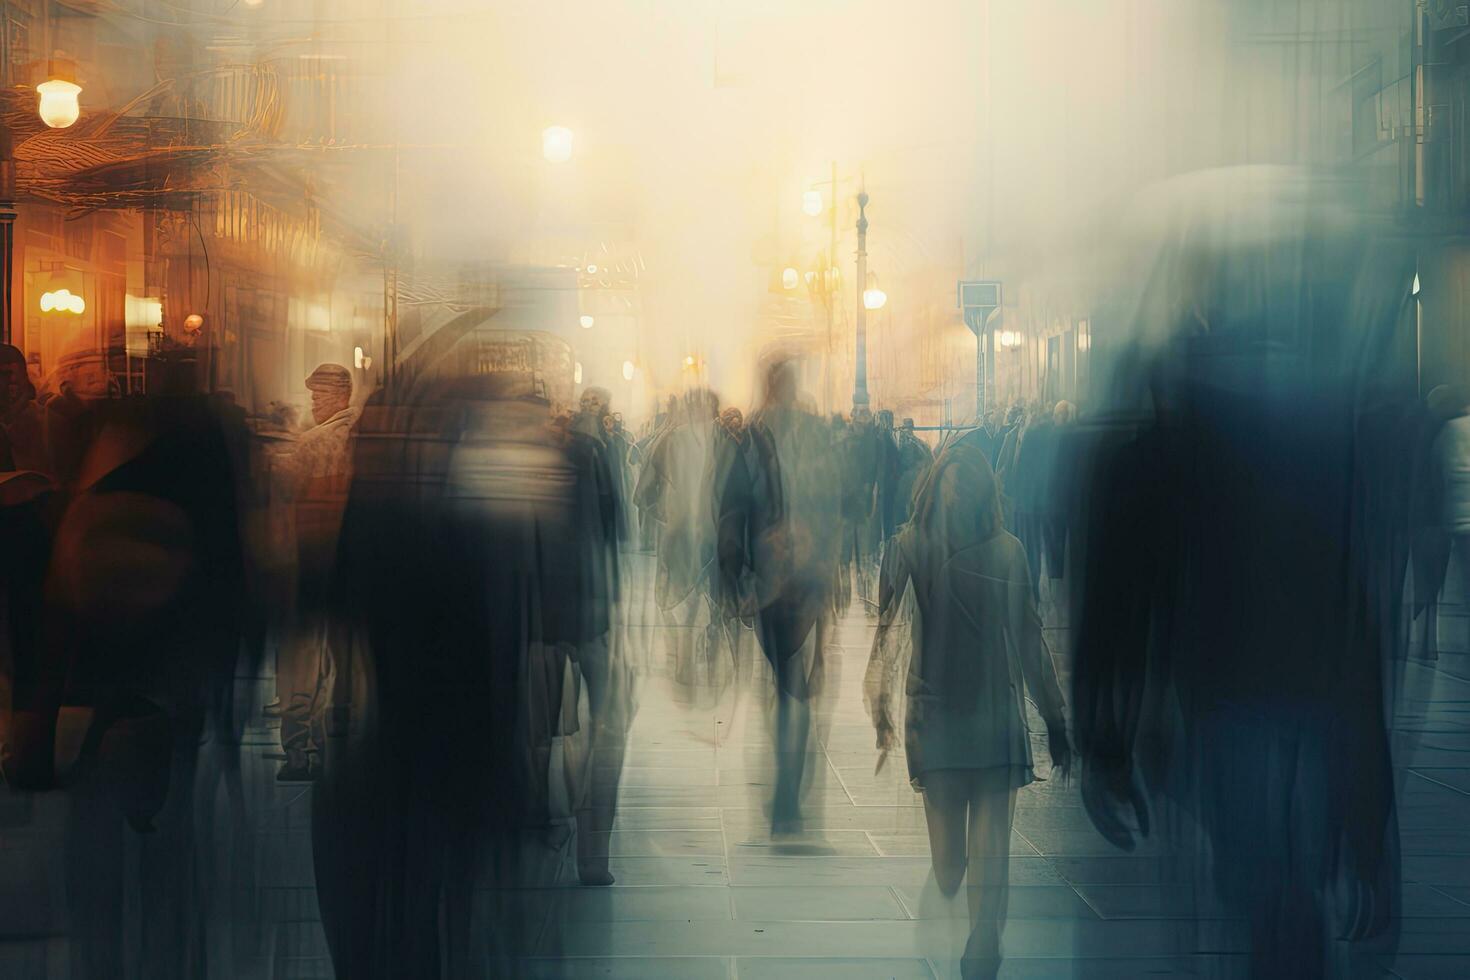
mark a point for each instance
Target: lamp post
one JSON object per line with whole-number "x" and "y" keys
{"x": 7, "y": 234}
{"x": 811, "y": 204}
{"x": 860, "y": 385}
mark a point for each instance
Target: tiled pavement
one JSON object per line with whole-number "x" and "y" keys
{"x": 701, "y": 892}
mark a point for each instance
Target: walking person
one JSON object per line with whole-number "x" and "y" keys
{"x": 780, "y": 526}
{"x": 316, "y": 476}
{"x": 963, "y": 578}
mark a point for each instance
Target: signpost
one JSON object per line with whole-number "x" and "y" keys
{"x": 979, "y": 299}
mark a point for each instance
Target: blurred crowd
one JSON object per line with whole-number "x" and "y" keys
{"x": 450, "y": 593}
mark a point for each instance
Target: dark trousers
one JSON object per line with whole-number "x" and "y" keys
{"x": 778, "y": 626}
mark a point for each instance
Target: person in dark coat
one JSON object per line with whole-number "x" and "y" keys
{"x": 1228, "y": 664}
{"x": 1029, "y": 485}
{"x": 860, "y": 449}
{"x": 889, "y": 511}
{"x": 469, "y": 578}
{"x": 914, "y": 459}
{"x": 145, "y": 615}
{"x": 1005, "y": 441}
{"x": 780, "y": 527}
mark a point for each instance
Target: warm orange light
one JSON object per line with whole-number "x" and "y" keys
{"x": 59, "y": 107}
{"x": 63, "y": 301}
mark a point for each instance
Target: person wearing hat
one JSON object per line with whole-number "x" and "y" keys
{"x": 316, "y": 477}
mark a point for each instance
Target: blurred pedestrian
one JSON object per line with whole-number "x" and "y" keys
{"x": 780, "y": 524}
{"x": 315, "y": 478}
{"x": 956, "y": 570}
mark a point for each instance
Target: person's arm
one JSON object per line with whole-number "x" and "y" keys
{"x": 1037, "y": 667}
{"x": 891, "y": 641}
{"x": 1110, "y": 648}
{"x": 734, "y": 492}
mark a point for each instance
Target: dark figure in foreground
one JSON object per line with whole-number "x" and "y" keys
{"x": 1228, "y": 671}
{"x": 466, "y": 587}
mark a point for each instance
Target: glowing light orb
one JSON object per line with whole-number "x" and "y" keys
{"x": 556, "y": 144}
{"x": 58, "y": 106}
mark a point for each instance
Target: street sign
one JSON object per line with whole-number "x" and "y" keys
{"x": 978, "y": 299}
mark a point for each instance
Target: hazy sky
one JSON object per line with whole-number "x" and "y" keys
{"x": 998, "y": 137}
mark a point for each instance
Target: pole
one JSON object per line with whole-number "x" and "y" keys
{"x": 860, "y": 388}
{"x": 7, "y": 237}
{"x": 980, "y": 337}
{"x": 829, "y": 286}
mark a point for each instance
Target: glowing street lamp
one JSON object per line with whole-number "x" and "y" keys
{"x": 586, "y": 321}
{"x": 63, "y": 301}
{"x": 789, "y": 278}
{"x": 811, "y": 203}
{"x": 874, "y": 298}
{"x": 628, "y": 370}
{"x": 58, "y": 106}
{"x": 556, "y": 144}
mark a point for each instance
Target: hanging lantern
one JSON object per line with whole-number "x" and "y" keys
{"x": 58, "y": 106}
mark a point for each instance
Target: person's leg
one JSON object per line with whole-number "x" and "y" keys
{"x": 1056, "y": 548}
{"x": 609, "y": 742}
{"x": 946, "y": 798}
{"x": 793, "y": 711}
{"x": 992, "y": 809}
{"x": 1029, "y": 526}
{"x": 793, "y": 722}
{"x": 300, "y": 668}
